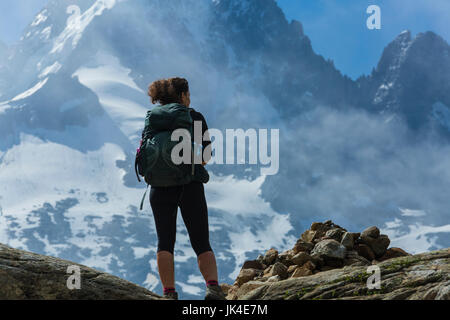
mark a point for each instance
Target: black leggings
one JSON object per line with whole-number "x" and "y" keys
{"x": 191, "y": 200}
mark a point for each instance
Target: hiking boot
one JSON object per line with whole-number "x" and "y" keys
{"x": 171, "y": 295}
{"x": 214, "y": 292}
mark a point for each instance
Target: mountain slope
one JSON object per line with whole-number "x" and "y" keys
{"x": 25, "y": 275}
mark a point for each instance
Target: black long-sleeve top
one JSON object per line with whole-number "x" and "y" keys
{"x": 197, "y": 116}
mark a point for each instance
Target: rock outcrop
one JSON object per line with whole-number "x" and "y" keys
{"x": 25, "y": 275}
{"x": 328, "y": 262}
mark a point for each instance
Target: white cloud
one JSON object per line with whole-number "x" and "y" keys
{"x": 273, "y": 235}
{"x": 151, "y": 282}
{"x": 237, "y": 196}
{"x": 412, "y": 213}
{"x": 413, "y": 238}
{"x": 190, "y": 289}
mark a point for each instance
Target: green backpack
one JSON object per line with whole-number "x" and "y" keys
{"x": 153, "y": 157}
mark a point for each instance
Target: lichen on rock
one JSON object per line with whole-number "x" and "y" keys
{"x": 328, "y": 262}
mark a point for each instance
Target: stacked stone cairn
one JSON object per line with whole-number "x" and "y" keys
{"x": 323, "y": 247}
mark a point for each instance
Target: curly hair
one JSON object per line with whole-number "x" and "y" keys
{"x": 167, "y": 91}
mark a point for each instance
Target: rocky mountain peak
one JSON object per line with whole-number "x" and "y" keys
{"x": 412, "y": 75}
{"x": 297, "y": 26}
{"x": 404, "y": 46}
{"x": 394, "y": 54}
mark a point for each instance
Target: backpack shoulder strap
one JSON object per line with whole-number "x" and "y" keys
{"x": 136, "y": 167}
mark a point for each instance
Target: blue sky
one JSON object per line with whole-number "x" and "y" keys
{"x": 337, "y": 28}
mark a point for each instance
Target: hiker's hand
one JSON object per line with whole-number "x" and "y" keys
{"x": 203, "y": 163}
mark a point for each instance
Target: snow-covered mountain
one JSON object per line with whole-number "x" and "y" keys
{"x": 72, "y": 106}
{"x": 71, "y": 122}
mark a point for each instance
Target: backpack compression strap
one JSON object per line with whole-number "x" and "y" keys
{"x": 143, "y": 198}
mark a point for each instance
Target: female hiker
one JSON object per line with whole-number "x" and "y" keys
{"x": 174, "y": 99}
